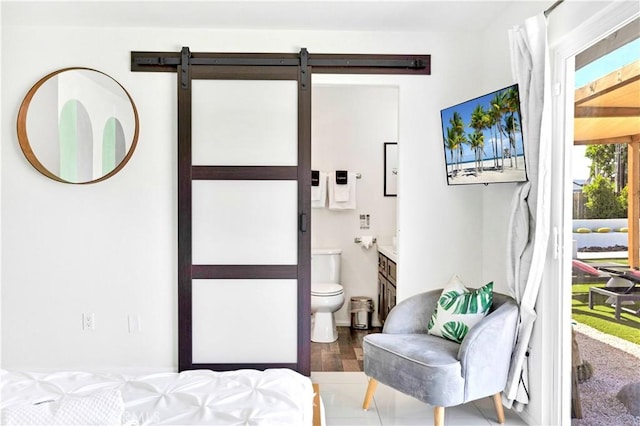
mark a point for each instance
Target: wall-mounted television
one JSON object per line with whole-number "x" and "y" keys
{"x": 483, "y": 141}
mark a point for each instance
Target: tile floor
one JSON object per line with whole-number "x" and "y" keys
{"x": 342, "y": 394}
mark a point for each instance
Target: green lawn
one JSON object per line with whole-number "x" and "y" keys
{"x": 601, "y": 317}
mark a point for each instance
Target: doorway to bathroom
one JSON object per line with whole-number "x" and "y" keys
{"x": 351, "y": 126}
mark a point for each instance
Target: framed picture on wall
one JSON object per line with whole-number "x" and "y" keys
{"x": 390, "y": 169}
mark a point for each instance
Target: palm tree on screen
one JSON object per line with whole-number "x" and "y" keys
{"x": 480, "y": 121}
{"x": 460, "y": 137}
{"x": 498, "y": 109}
{"x": 476, "y": 141}
{"x": 511, "y": 125}
{"x": 512, "y": 121}
{"x": 451, "y": 144}
{"x": 491, "y": 114}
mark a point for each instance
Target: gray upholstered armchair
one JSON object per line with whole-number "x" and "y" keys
{"x": 437, "y": 371}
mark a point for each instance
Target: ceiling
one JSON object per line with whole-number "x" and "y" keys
{"x": 337, "y": 15}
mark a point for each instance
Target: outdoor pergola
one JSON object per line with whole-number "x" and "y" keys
{"x": 607, "y": 111}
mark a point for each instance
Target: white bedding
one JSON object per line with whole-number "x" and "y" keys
{"x": 241, "y": 397}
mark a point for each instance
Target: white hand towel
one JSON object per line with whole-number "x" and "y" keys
{"x": 334, "y": 204}
{"x": 342, "y": 192}
{"x": 319, "y": 193}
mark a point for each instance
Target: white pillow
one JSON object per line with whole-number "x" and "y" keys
{"x": 459, "y": 309}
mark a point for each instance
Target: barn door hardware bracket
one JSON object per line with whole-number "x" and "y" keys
{"x": 305, "y": 75}
{"x": 185, "y": 61}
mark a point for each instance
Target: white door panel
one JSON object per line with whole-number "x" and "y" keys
{"x": 245, "y": 321}
{"x": 244, "y": 222}
{"x": 244, "y": 122}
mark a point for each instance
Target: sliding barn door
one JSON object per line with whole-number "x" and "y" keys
{"x": 244, "y": 199}
{"x": 244, "y": 250}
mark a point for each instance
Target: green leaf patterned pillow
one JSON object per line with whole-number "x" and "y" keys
{"x": 459, "y": 309}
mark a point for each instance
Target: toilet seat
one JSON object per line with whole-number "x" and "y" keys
{"x": 326, "y": 289}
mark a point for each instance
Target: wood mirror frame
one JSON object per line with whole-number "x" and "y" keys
{"x": 130, "y": 140}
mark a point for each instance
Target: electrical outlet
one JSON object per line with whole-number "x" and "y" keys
{"x": 88, "y": 322}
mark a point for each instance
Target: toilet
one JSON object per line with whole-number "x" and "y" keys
{"x": 327, "y": 295}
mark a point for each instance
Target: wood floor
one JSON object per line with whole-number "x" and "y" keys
{"x": 345, "y": 354}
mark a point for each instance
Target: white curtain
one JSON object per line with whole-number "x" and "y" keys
{"x": 530, "y": 215}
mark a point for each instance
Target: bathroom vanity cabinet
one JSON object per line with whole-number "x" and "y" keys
{"x": 386, "y": 282}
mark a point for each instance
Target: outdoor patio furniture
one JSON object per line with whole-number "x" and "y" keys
{"x": 619, "y": 294}
{"x": 584, "y": 272}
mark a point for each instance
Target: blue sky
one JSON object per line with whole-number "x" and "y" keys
{"x": 608, "y": 63}
{"x": 599, "y": 68}
{"x": 465, "y": 109}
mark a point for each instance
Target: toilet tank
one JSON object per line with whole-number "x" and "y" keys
{"x": 325, "y": 265}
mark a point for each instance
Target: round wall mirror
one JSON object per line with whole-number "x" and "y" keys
{"x": 78, "y": 125}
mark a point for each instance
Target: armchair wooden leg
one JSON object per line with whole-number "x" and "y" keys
{"x": 497, "y": 402}
{"x": 373, "y": 383}
{"x": 438, "y": 416}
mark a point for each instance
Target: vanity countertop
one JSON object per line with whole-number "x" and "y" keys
{"x": 390, "y": 252}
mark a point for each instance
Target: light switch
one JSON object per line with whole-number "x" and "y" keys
{"x": 134, "y": 323}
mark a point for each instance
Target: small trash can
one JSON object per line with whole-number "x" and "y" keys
{"x": 361, "y": 312}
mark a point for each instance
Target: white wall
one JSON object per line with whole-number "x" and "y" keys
{"x": 350, "y": 125}
{"x": 108, "y": 248}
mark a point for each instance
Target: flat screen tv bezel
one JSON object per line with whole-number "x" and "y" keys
{"x": 487, "y": 178}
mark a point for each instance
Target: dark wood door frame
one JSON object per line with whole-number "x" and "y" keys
{"x": 255, "y": 66}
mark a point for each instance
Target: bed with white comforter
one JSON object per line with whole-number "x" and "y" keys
{"x": 241, "y": 397}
